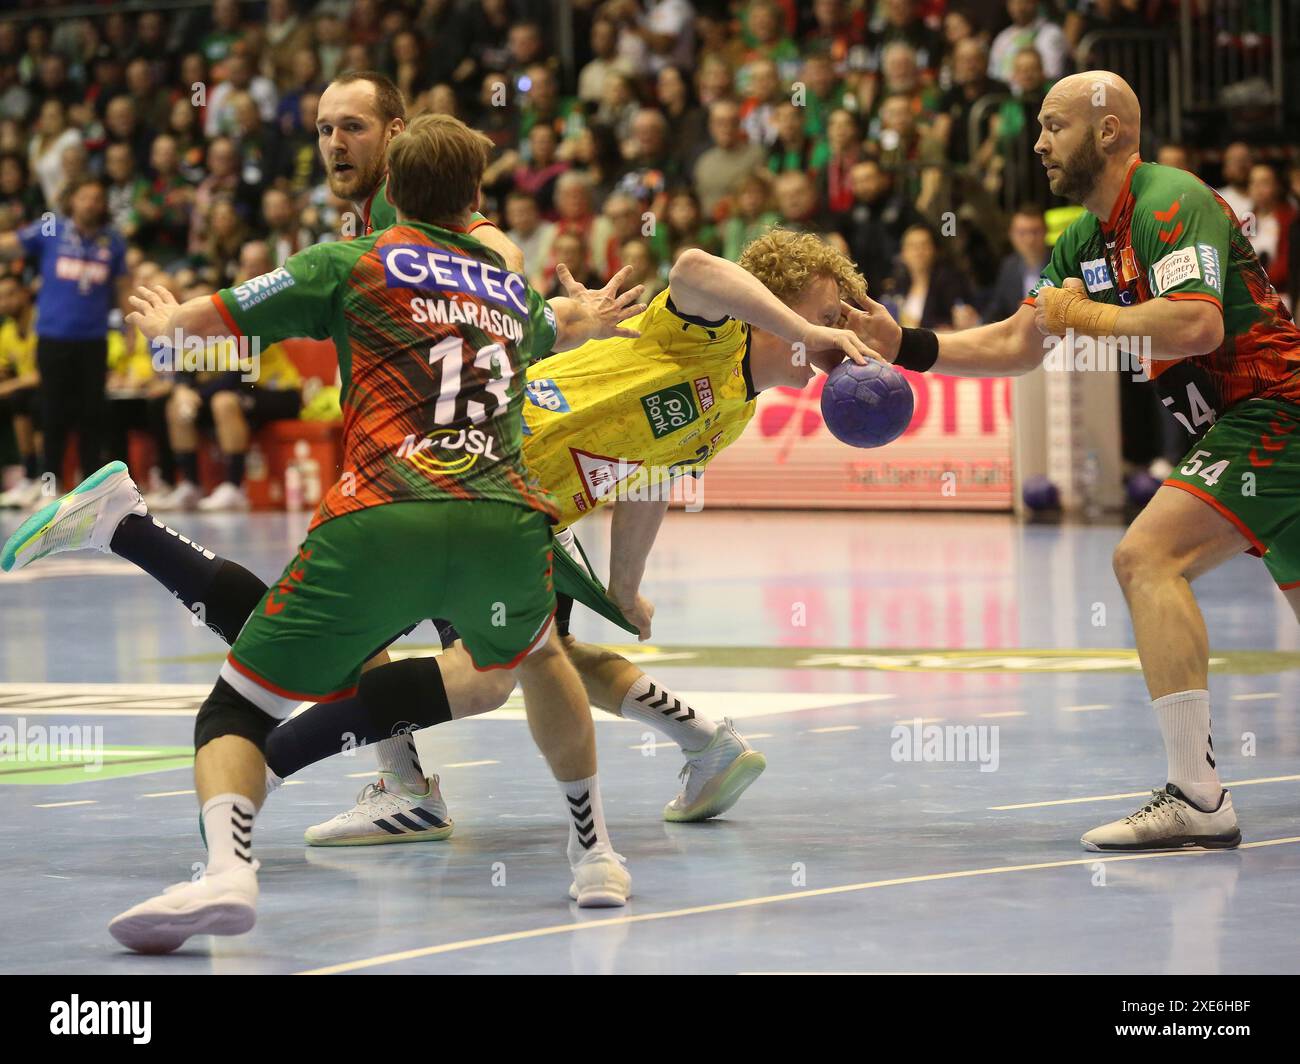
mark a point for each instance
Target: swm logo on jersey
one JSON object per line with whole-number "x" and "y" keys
{"x": 257, "y": 289}
{"x": 1096, "y": 275}
{"x": 1210, "y": 266}
{"x": 669, "y": 409}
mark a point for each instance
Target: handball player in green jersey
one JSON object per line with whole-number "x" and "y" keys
{"x": 1159, "y": 256}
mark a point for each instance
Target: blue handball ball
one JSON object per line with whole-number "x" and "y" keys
{"x": 866, "y": 406}
{"x": 1040, "y": 494}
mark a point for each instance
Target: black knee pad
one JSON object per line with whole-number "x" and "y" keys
{"x": 231, "y": 600}
{"x": 563, "y": 612}
{"x": 409, "y": 692}
{"x": 227, "y": 712}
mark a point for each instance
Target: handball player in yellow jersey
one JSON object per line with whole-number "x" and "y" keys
{"x": 603, "y": 423}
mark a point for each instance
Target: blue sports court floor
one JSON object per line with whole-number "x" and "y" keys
{"x": 818, "y": 634}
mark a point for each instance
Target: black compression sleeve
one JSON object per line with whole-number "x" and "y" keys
{"x": 918, "y": 350}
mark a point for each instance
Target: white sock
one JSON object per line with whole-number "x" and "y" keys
{"x": 653, "y": 704}
{"x": 1185, "y": 725}
{"x": 586, "y": 817}
{"x": 228, "y": 829}
{"x": 397, "y": 756}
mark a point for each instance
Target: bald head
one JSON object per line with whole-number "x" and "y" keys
{"x": 1105, "y": 101}
{"x": 1091, "y": 126}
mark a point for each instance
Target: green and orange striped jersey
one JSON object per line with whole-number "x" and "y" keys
{"x": 379, "y": 212}
{"x": 433, "y": 336}
{"x": 1170, "y": 236}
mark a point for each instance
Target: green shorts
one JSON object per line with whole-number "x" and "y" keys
{"x": 363, "y": 576}
{"x": 1247, "y": 466}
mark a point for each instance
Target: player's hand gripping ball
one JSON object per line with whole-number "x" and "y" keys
{"x": 866, "y": 406}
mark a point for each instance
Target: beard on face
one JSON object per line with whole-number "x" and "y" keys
{"x": 1080, "y": 171}
{"x": 360, "y": 181}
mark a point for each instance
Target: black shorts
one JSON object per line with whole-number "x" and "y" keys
{"x": 21, "y": 403}
{"x": 259, "y": 405}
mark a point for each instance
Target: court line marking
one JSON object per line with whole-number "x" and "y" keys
{"x": 746, "y": 903}
{"x": 60, "y": 805}
{"x": 907, "y": 721}
{"x": 469, "y": 764}
{"x": 833, "y": 728}
{"x": 1004, "y": 713}
{"x": 1087, "y": 708}
{"x": 1134, "y": 794}
{"x": 1252, "y": 698}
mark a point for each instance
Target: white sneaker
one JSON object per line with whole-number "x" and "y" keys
{"x": 84, "y": 519}
{"x": 22, "y": 496}
{"x": 221, "y": 904}
{"x": 715, "y": 777}
{"x": 225, "y": 497}
{"x": 600, "y": 881}
{"x": 185, "y": 496}
{"x": 1169, "y": 822}
{"x": 387, "y": 812}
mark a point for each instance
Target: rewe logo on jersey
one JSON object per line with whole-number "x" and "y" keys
{"x": 600, "y": 473}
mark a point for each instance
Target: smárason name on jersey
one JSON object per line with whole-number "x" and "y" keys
{"x": 454, "y": 312}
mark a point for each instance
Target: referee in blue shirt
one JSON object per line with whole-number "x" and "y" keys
{"x": 82, "y": 266}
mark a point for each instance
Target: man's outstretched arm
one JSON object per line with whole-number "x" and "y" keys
{"x": 1005, "y": 348}
{"x": 707, "y": 286}
{"x": 158, "y": 316}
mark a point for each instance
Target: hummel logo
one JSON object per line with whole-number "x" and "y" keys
{"x": 583, "y": 820}
{"x": 674, "y": 711}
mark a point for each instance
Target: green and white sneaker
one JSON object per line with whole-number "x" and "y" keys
{"x": 83, "y": 519}
{"x": 715, "y": 777}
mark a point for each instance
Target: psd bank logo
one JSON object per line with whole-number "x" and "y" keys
{"x": 1096, "y": 275}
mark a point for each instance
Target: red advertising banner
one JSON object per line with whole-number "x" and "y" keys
{"x": 955, "y": 455}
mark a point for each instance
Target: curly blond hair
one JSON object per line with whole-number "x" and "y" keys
{"x": 786, "y": 262}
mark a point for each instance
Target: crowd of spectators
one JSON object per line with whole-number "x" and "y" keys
{"x": 678, "y": 123}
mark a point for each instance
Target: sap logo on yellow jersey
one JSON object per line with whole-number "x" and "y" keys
{"x": 545, "y": 393}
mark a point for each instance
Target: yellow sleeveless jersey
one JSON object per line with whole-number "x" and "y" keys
{"x": 624, "y": 415}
